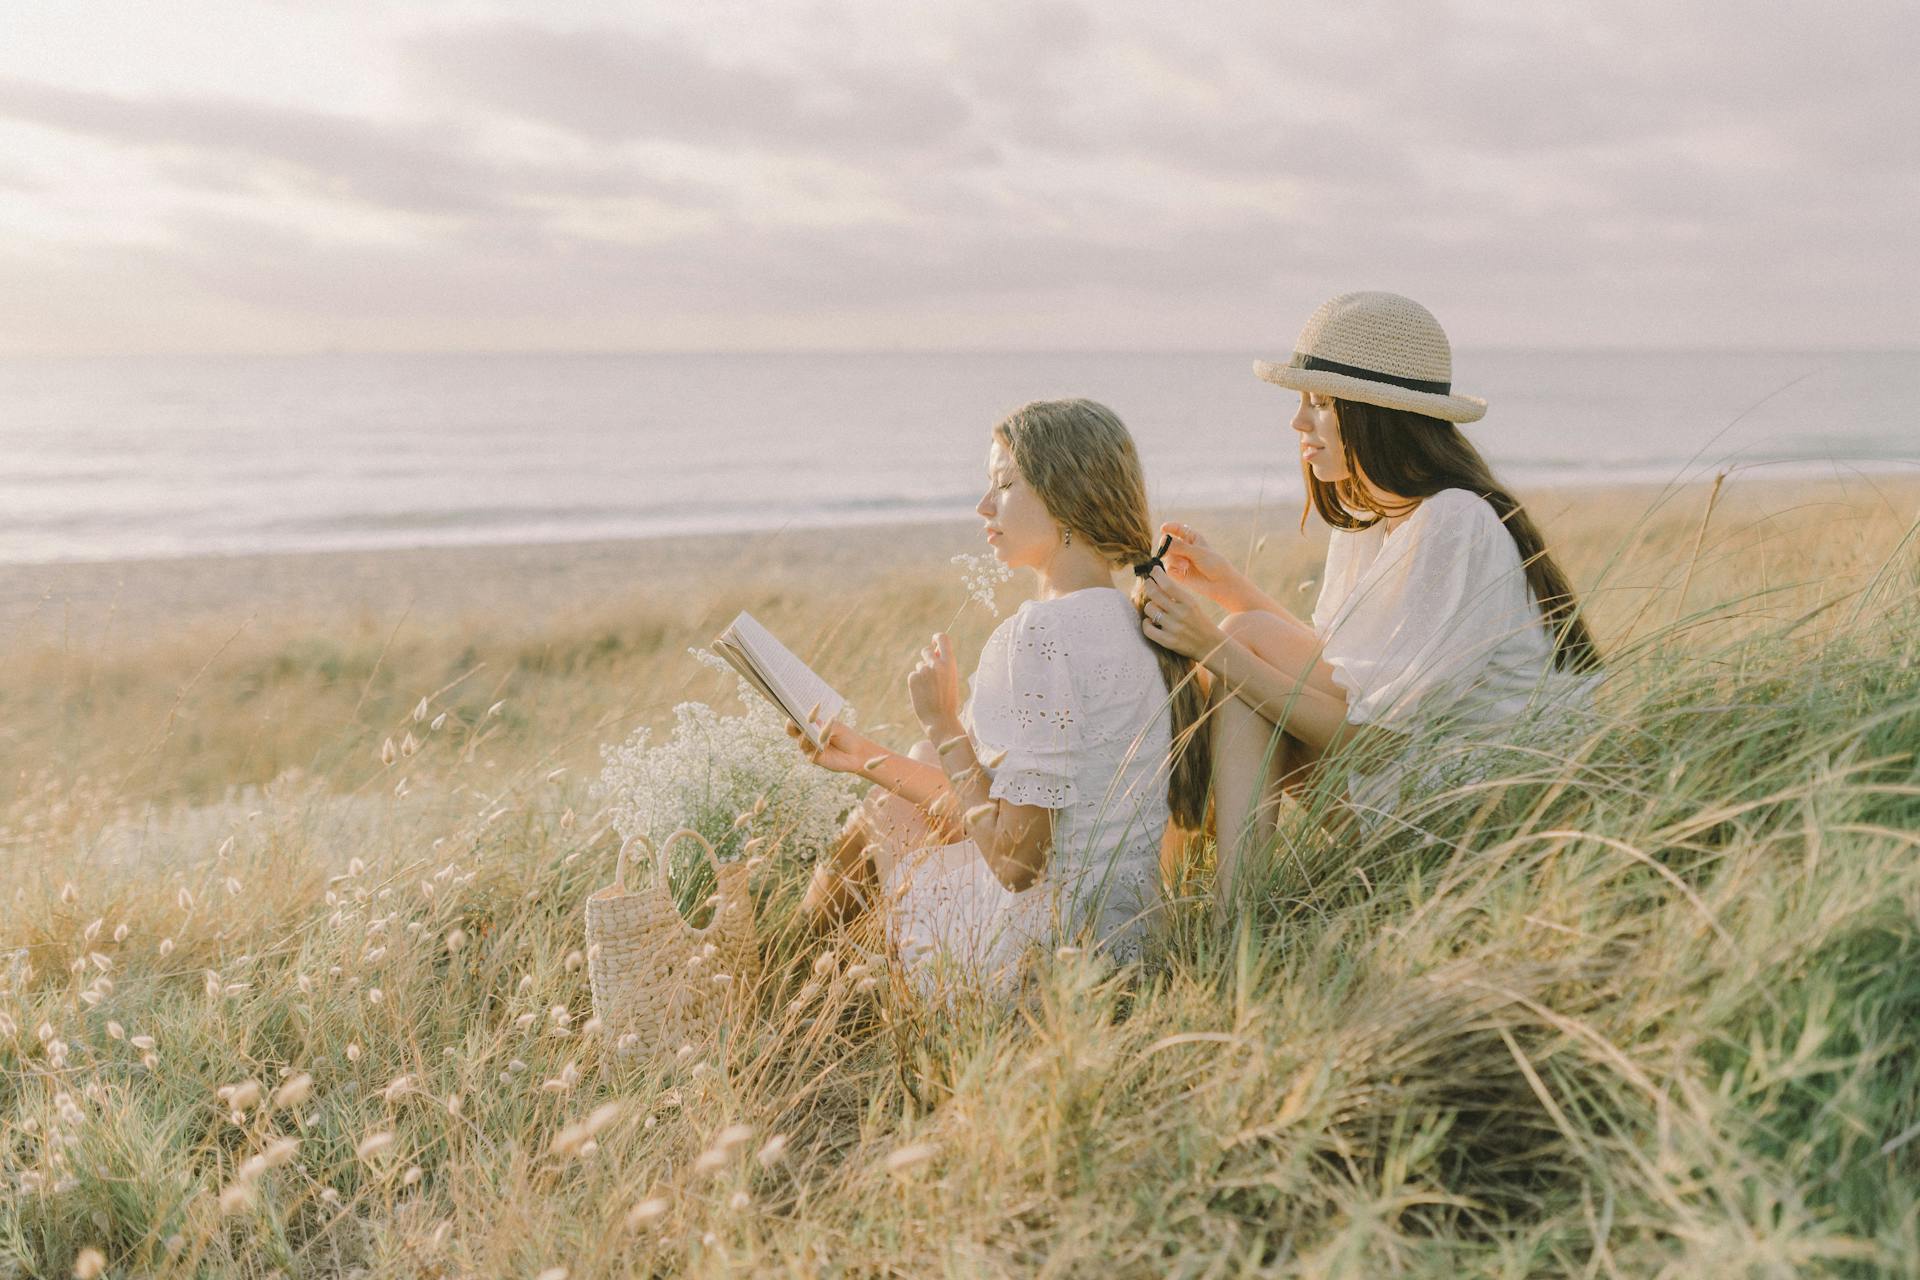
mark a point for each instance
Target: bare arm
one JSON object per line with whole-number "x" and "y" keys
{"x": 1292, "y": 702}
{"x": 1298, "y": 696}
{"x": 1194, "y": 564}
{"x": 1014, "y": 839}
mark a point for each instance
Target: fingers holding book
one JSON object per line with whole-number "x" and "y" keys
{"x": 840, "y": 748}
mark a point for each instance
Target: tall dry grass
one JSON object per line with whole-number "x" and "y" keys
{"x": 284, "y": 1001}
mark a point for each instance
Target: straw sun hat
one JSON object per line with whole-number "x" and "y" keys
{"x": 1378, "y": 348}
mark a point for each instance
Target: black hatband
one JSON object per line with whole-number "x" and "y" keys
{"x": 1301, "y": 360}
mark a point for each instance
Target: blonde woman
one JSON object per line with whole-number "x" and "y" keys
{"x": 1439, "y": 602}
{"x": 1034, "y": 809}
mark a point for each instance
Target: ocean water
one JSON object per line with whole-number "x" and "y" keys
{"x": 105, "y": 458}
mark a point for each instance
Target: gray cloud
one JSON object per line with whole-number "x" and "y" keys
{"x": 1126, "y": 174}
{"x": 220, "y": 144}
{"x": 613, "y": 85}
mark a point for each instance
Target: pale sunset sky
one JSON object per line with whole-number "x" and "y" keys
{"x": 310, "y": 175}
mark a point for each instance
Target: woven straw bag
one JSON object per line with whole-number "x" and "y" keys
{"x": 653, "y": 974}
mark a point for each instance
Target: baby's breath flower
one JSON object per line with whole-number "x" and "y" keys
{"x": 719, "y": 774}
{"x": 982, "y": 576}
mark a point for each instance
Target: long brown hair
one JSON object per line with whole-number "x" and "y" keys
{"x": 1415, "y": 456}
{"x": 1080, "y": 459}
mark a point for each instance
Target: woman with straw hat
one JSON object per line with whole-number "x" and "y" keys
{"x": 1439, "y": 603}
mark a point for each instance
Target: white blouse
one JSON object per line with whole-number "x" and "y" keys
{"x": 1435, "y": 619}
{"x": 1070, "y": 691}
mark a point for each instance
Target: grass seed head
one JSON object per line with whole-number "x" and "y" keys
{"x": 239, "y": 1097}
{"x": 911, "y": 1156}
{"x": 293, "y": 1092}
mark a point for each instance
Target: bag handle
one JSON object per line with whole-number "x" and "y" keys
{"x": 660, "y": 854}
{"x": 620, "y": 863}
{"x": 662, "y": 867}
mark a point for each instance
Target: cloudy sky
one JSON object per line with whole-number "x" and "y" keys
{"x": 295, "y": 175}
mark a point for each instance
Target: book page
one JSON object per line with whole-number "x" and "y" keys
{"x": 729, "y": 648}
{"x": 795, "y": 687}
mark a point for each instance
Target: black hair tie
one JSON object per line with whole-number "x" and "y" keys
{"x": 1154, "y": 562}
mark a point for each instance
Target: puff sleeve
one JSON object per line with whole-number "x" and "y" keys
{"x": 1421, "y": 623}
{"x": 1024, "y": 704}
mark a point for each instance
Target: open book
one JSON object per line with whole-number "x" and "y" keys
{"x": 781, "y": 678}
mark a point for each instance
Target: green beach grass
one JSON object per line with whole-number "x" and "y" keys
{"x": 284, "y": 1001}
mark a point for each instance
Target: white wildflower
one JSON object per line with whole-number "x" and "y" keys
{"x": 982, "y": 576}
{"x": 712, "y": 769}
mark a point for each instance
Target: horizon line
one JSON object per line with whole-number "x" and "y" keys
{"x": 842, "y": 352}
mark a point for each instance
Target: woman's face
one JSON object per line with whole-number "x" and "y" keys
{"x": 1021, "y": 533}
{"x": 1320, "y": 445}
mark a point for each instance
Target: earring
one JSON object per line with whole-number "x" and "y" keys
{"x": 1066, "y": 538}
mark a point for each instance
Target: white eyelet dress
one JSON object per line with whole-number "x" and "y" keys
{"x": 1070, "y": 691}
{"x": 1432, "y": 621}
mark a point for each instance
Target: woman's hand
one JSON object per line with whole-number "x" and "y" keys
{"x": 934, "y": 688}
{"x": 1199, "y": 567}
{"x": 1173, "y": 618}
{"x": 841, "y": 749}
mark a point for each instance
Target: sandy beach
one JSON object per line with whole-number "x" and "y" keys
{"x": 525, "y": 587}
